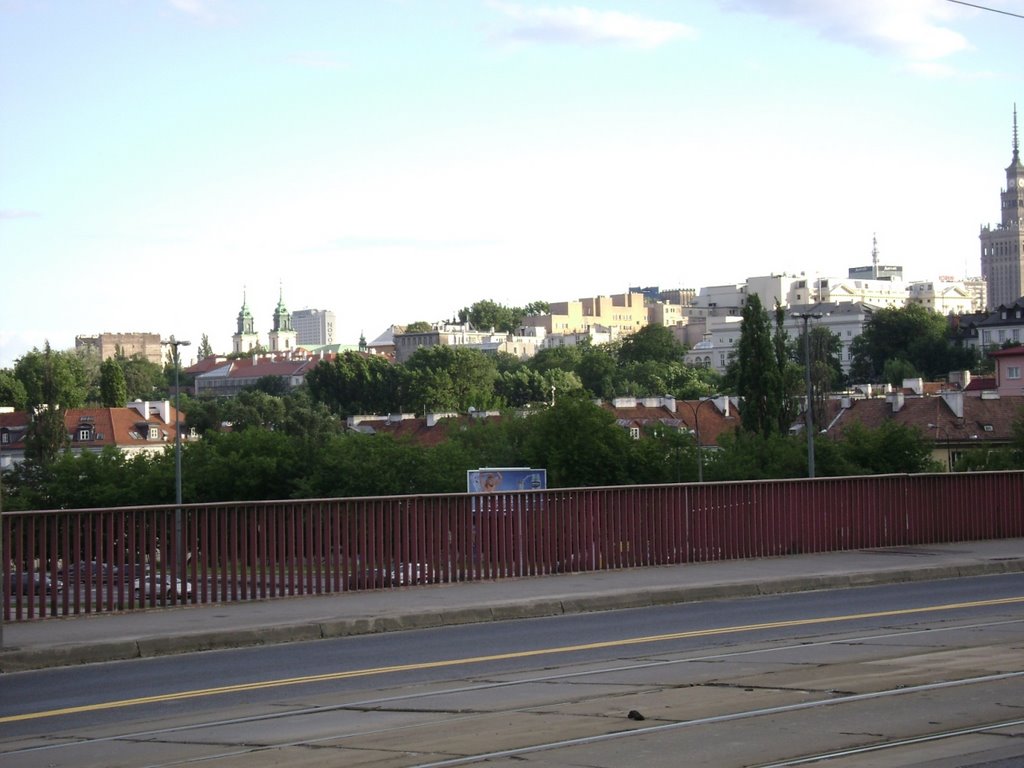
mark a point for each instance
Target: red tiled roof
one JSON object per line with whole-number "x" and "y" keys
{"x": 712, "y": 421}
{"x": 984, "y": 419}
{"x": 119, "y": 427}
{"x": 416, "y": 429}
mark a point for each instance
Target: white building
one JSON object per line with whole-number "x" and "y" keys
{"x": 315, "y": 327}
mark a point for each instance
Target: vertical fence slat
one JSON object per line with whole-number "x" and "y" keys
{"x": 117, "y": 559}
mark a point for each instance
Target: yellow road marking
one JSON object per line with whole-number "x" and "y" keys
{"x": 288, "y": 681}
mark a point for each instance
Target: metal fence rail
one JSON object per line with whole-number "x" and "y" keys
{"x": 67, "y": 562}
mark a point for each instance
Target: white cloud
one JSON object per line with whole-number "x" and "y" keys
{"x": 199, "y": 9}
{"x": 17, "y": 214}
{"x": 584, "y": 26}
{"x": 918, "y": 30}
{"x": 314, "y": 60}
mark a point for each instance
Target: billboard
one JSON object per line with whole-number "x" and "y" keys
{"x": 501, "y": 479}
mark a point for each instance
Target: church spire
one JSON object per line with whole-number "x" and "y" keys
{"x": 245, "y": 319}
{"x": 282, "y": 318}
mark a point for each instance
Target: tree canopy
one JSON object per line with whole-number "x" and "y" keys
{"x": 914, "y": 335}
{"x": 759, "y": 381}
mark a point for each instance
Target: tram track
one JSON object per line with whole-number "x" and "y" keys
{"x": 452, "y": 717}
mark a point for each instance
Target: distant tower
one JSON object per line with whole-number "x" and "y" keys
{"x": 245, "y": 339}
{"x": 283, "y": 338}
{"x": 874, "y": 257}
{"x": 1002, "y": 246}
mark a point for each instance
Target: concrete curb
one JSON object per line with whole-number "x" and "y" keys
{"x": 19, "y": 660}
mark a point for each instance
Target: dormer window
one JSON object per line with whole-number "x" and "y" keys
{"x": 84, "y": 433}
{"x": 154, "y": 433}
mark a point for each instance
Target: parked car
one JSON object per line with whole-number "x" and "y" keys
{"x": 394, "y": 575}
{"x": 19, "y": 583}
{"x": 164, "y": 587}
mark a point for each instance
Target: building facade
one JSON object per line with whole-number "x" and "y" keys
{"x": 313, "y": 327}
{"x": 625, "y": 313}
{"x": 107, "y": 345}
{"x": 1002, "y": 245}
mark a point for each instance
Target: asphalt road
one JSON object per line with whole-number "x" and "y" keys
{"x": 928, "y": 673}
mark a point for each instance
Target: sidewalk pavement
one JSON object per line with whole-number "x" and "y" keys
{"x": 161, "y": 631}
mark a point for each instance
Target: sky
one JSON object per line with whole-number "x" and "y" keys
{"x": 397, "y": 160}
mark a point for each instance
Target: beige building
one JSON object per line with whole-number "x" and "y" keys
{"x": 625, "y": 313}
{"x": 946, "y": 295}
{"x": 522, "y": 345}
{"x": 107, "y": 345}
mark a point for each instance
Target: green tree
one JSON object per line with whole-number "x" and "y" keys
{"x": 579, "y": 443}
{"x": 663, "y": 455}
{"x": 897, "y": 369}
{"x": 113, "y": 390}
{"x": 891, "y": 448}
{"x": 912, "y": 333}
{"x": 144, "y": 379}
{"x": 271, "y": 385}
{"x": 444, "y": 378}
{"x": 487, "y": 314}
{"x": 355, "y": 383}
{"x": 652, "y": 343}
{"x": 827, "y": 375}
{"x": 244, "y": 465}
{"x": 12, "y": 391}
{"x": 205, "y": 348}
{"x": 563, "y": 358}
{"x": 597, "y": 369}
{"x": 746, "y": 455}
{"x": 759, "y": 382}
{"x": 420, "y": 326}
{"x": 254, "y": 409}
{"x": 53, "y": 378}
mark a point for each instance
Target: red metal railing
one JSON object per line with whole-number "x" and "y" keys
{"x": 96, "y": 560}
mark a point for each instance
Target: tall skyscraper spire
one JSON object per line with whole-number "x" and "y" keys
{"x": 1016, "y": 144}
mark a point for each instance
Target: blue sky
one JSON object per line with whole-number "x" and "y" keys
{"x": 396, "y": 160}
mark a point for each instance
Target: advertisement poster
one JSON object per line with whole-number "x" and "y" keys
{"x": 502, "y": 479}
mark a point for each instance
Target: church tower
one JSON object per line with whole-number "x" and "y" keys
{"x": 284, "y": 337}
{"x": 1002, "y": 246}
{"x": 245, "y": 339}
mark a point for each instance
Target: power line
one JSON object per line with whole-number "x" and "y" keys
{"x": 986, "y": 8}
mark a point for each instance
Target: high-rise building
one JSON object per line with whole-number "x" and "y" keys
{"x": 1002, "y": 246}
{"x": 314, "y": 326}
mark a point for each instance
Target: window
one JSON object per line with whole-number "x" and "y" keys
{"x": 1013, "y": 371}
{"x": 154, "y": 433}
{"x": 84, "y": 434}
{"x": 5, "y": 437}
{"x": 634, "y": 432}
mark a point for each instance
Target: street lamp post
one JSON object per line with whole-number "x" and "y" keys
{"x": 696, "y": 429}
{"x": 809, "y": 410}
{"x": 178, "y": 542}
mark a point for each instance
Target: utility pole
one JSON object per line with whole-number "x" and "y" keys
{"x": 179, "y": 547}
{"x": 809, "y": 410}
